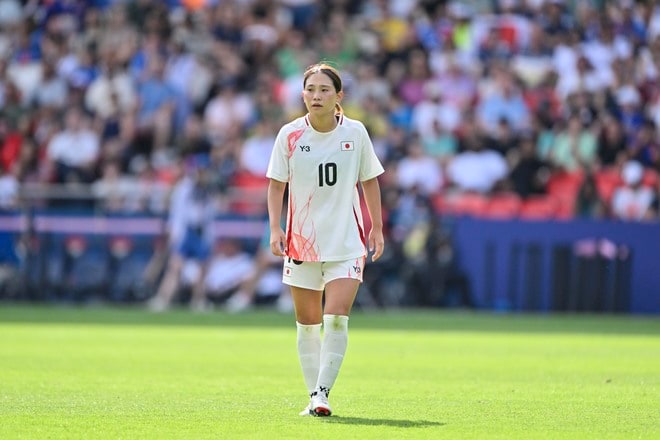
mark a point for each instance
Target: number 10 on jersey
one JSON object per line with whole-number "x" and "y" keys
{"x": 327, "y": 174}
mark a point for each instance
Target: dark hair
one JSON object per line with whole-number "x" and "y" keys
{"x": 328, "y": 71}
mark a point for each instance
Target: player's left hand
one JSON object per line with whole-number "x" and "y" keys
{"x": 376, "y": 243}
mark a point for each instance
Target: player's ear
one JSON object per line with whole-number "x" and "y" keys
{"x": 340, "y": 95}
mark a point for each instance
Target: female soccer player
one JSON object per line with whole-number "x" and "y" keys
{"x": 322, "y": 157}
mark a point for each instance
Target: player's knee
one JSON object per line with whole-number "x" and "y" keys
{"x": 308, "y": 319}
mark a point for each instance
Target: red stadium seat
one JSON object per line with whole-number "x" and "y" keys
{"x": 564, "y": 187}
{"x": 650, "y": 177}
{"x": 503, "y": 206}
{"x": 459, "y": 204}
{"x": 539, "y": 208}
{"x": 607, "y": 180}
{"x": 249, "y": 193}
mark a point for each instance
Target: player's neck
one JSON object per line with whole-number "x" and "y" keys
{"x": 324, "y": 123}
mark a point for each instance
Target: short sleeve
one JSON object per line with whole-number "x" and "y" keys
{"x": 370, "y": 165}
{"x": 278, "y": 166}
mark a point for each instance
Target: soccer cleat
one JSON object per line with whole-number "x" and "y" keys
{"x": 320, "y": 405}
{"x": 307, "y": 411}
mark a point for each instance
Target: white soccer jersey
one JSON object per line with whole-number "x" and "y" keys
{"x": 324, "y": 219}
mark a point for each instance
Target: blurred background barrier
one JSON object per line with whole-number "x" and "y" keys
{"x": 502, "y": 265}
{"x": 82, "y": 255}
{"x": 576, "y": 265}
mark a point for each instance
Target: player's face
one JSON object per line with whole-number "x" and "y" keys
{"x": 320, "y": 95}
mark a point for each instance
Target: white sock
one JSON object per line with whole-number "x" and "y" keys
{"x": 335, "y": 341}
{"x": 309, "y": 352}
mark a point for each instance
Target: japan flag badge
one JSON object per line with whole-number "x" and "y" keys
{"x": 347, "y": 146}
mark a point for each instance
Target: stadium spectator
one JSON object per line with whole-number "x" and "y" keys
{"x": 432, "y": 110}
{"x": 588, "y": 203}
{"x": 440, "y": 144}
{"x": 291, "y": 58}
{"x": 9, "y": 187}
{"x": 587, "y": 106}
{"x": 29, "y": 169}
{"x": 542, "y": 100}
{"x": 457, "y": 84}
{"x": 112, "y": 99}
{"x": 227, "y": 113}
{"x": 475, "y": 168}
{"x": 369, "y": 84}
{"x": 112, "y": 189}
{"x": 255, "y": 151}
{"x": 611, "y": 142}
{"x": 632, "y": 201}
{"x": 302, "y": 12}
{"x": 419, "y": 170}
{"x": 75, "y": 149}
{"x": 504, "y": 140}
{"x": 229, "y": 267}
{"x": 629, "y": 110}
{"x": 417, "y": 75}
{"x": 226, "y": 24}
{"x": 644, "y": 146}
{"x": 503, "y": 101}
{"x": 191, "y": 140}
{"x": 574, "y": 147}
{"x": 263, "y": 285}
{"x": 53, "y": 92}
{"x": 14, "y": 111}
{"x": 529, "y": 174}
{"x": 155, "y": 108}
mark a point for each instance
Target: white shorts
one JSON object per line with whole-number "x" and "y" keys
{"x": 315, "y": 275}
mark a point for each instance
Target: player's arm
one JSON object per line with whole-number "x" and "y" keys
{"x": 275, "y": 199}
{"x": 371, "y": 192}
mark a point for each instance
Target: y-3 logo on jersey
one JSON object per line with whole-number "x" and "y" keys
{"x": 305, "y": 148}
{"x": 357, "y": 269}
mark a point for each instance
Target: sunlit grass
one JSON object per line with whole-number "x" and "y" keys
{"x": 111, "y": 373}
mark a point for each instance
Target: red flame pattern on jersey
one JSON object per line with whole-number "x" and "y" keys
{"x": 291, "y": 141}
{"x": 301, "y": 247}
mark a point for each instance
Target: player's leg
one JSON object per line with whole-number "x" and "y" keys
{"x": 169, "y": 285}
{"x": 308, "y": 311}
{"x": 339, "y": 296}
{"x": 305, "y": 283}
{"x": 199, "y": 301}
{"x": 342, "y": 281}
{"x": 246, "y": 293}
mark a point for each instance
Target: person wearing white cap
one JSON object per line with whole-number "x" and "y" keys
{"x": 632, "y": 201}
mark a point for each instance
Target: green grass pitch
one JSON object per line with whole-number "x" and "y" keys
{"x": 108, "y": 373}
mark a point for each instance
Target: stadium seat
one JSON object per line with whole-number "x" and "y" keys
{"x": 539, "y": 208}
{"x": 607, "y": 180}
{"x": 564, "y": 187}
{"x": 503, "y": 206}
{"x": 650, "y": 177}
{"x": 250, "y": 193}
{"x": 461, "y": 204}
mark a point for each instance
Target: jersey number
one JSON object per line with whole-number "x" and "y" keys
{"x": 327, "y": 173}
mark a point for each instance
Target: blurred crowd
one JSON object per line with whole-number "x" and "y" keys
{"x": 501, "y": 108}
{"x": 481, "y": 97}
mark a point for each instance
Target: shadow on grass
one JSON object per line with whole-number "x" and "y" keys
{"x": 383, "y": 422}
{"x": 444, "y": 320}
